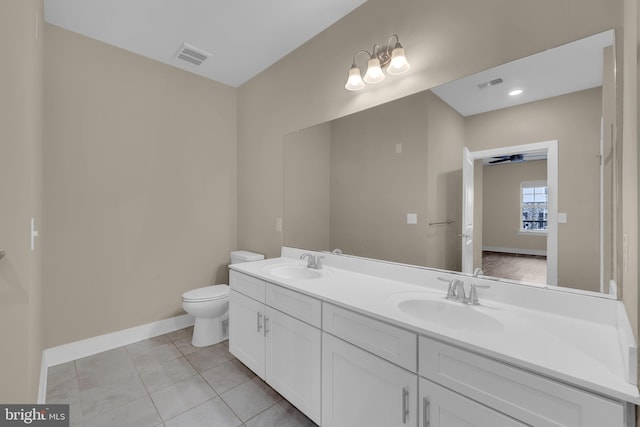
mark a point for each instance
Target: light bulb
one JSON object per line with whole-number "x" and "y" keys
{"x": 399, "y": 63}
{"x": 374, "y": 72}
{"x": 354, "y": 82}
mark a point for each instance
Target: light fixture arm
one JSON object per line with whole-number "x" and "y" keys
{"x": 391, "y": 38}
{"x": 358, "y": 53}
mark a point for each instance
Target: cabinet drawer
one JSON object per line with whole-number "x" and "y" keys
{"x": 295, "y": 304}
{"x": 247, "y": 285}
{"x": 389, "y": 342}
{"x": 441, "y": 407}
{"x": 528, "y": 397}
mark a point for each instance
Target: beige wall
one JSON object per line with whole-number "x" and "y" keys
{"x": 574, "y": 121}
{"x": 628, "y": 262}
{"x": 629, "y": 182}
{"x": 21, "y": 327}
{"x": 501, "y": 205}
{"x": 631, "y": 299}
{"x": 140, "y": 187}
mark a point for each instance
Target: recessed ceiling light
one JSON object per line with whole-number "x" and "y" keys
{"x": 515, "y": 92}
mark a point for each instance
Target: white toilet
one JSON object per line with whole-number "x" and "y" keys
{"x": 210, "y": 306}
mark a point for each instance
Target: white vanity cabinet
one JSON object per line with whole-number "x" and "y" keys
{"x": 267, "y": 333}
{"x": 349, "y": 363}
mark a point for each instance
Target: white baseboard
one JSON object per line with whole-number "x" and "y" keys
{"x": 87, "y": 347}
{"x": 42, "y": 386}
{"x": 515, "y": 250}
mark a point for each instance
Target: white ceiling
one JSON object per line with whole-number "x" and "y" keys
{"x": 244, "y": 36}
{"x": 565, "y": 69}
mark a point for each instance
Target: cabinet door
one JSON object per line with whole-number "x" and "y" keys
{"x": 293, "y": 361}
{"x": 360, "y": 389}
{"x": 246, "y": 331}
{"x": 441, "y": 407}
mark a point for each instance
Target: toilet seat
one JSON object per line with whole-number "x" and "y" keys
{"x": 207, "y": 293}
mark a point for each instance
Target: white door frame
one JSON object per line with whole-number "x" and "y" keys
{"x": 551, "y": 147}
{"x": 468, "y": 210}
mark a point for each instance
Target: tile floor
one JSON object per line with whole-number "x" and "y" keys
{"x": 165, "y": 381}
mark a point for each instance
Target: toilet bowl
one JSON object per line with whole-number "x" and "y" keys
{"x": 210, "y": 306}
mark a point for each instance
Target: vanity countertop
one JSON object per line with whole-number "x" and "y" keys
{"x": 574, "y": 349}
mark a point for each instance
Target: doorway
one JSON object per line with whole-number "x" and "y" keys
{"x": 472, "y": 239}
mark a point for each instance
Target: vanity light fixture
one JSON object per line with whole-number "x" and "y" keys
{"x": 392, "y": 58}
{"x": 515, "y": 92}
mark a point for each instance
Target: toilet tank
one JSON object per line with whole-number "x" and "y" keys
{"x": 245, "y": 256}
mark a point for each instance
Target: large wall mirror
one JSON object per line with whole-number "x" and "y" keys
{"x": 387, "y": 182}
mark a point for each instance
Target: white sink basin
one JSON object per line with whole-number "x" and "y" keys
{"x": 444, "y": 313}
{"x": 288, "y": 271}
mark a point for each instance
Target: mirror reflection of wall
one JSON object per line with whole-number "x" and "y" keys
{"x": 307, "y": 164}
{"x": 385, "y": 163}
{"x": 388, "y": 163}
{"x": 372, "y": 170}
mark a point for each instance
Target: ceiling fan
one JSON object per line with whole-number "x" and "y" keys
{"x": 508, "y": 158}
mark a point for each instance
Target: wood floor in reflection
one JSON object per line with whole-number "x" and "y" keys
{"x": 526, "y": 268}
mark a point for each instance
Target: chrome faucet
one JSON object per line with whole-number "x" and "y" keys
{"x": 313, "y": 261}
{"x": 478, "y": 271}
{"x": 473, "y": 293}
{"x": 460, "y": 293}
{"x": 455, "y": 286}
{"x": 457, "y": 293}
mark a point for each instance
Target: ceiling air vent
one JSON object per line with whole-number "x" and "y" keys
{"x": 490, "y": 83}
{"x": 191, "y": 54}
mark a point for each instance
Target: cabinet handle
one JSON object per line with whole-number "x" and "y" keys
{"x": 426, "y": 416}
{"x": 266, "y": 319}
{"x": 258, "y": 318}
{"x": 405, "y": 404}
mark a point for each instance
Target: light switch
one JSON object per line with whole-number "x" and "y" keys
{"x": 562, "y": 218}
{"x": 398, "y": 148}
{"x": 412, "y": 218}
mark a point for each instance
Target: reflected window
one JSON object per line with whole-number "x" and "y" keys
{"x": 533, "y": 206}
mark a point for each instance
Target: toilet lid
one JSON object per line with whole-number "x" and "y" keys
{"x": 207, "y": 293}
